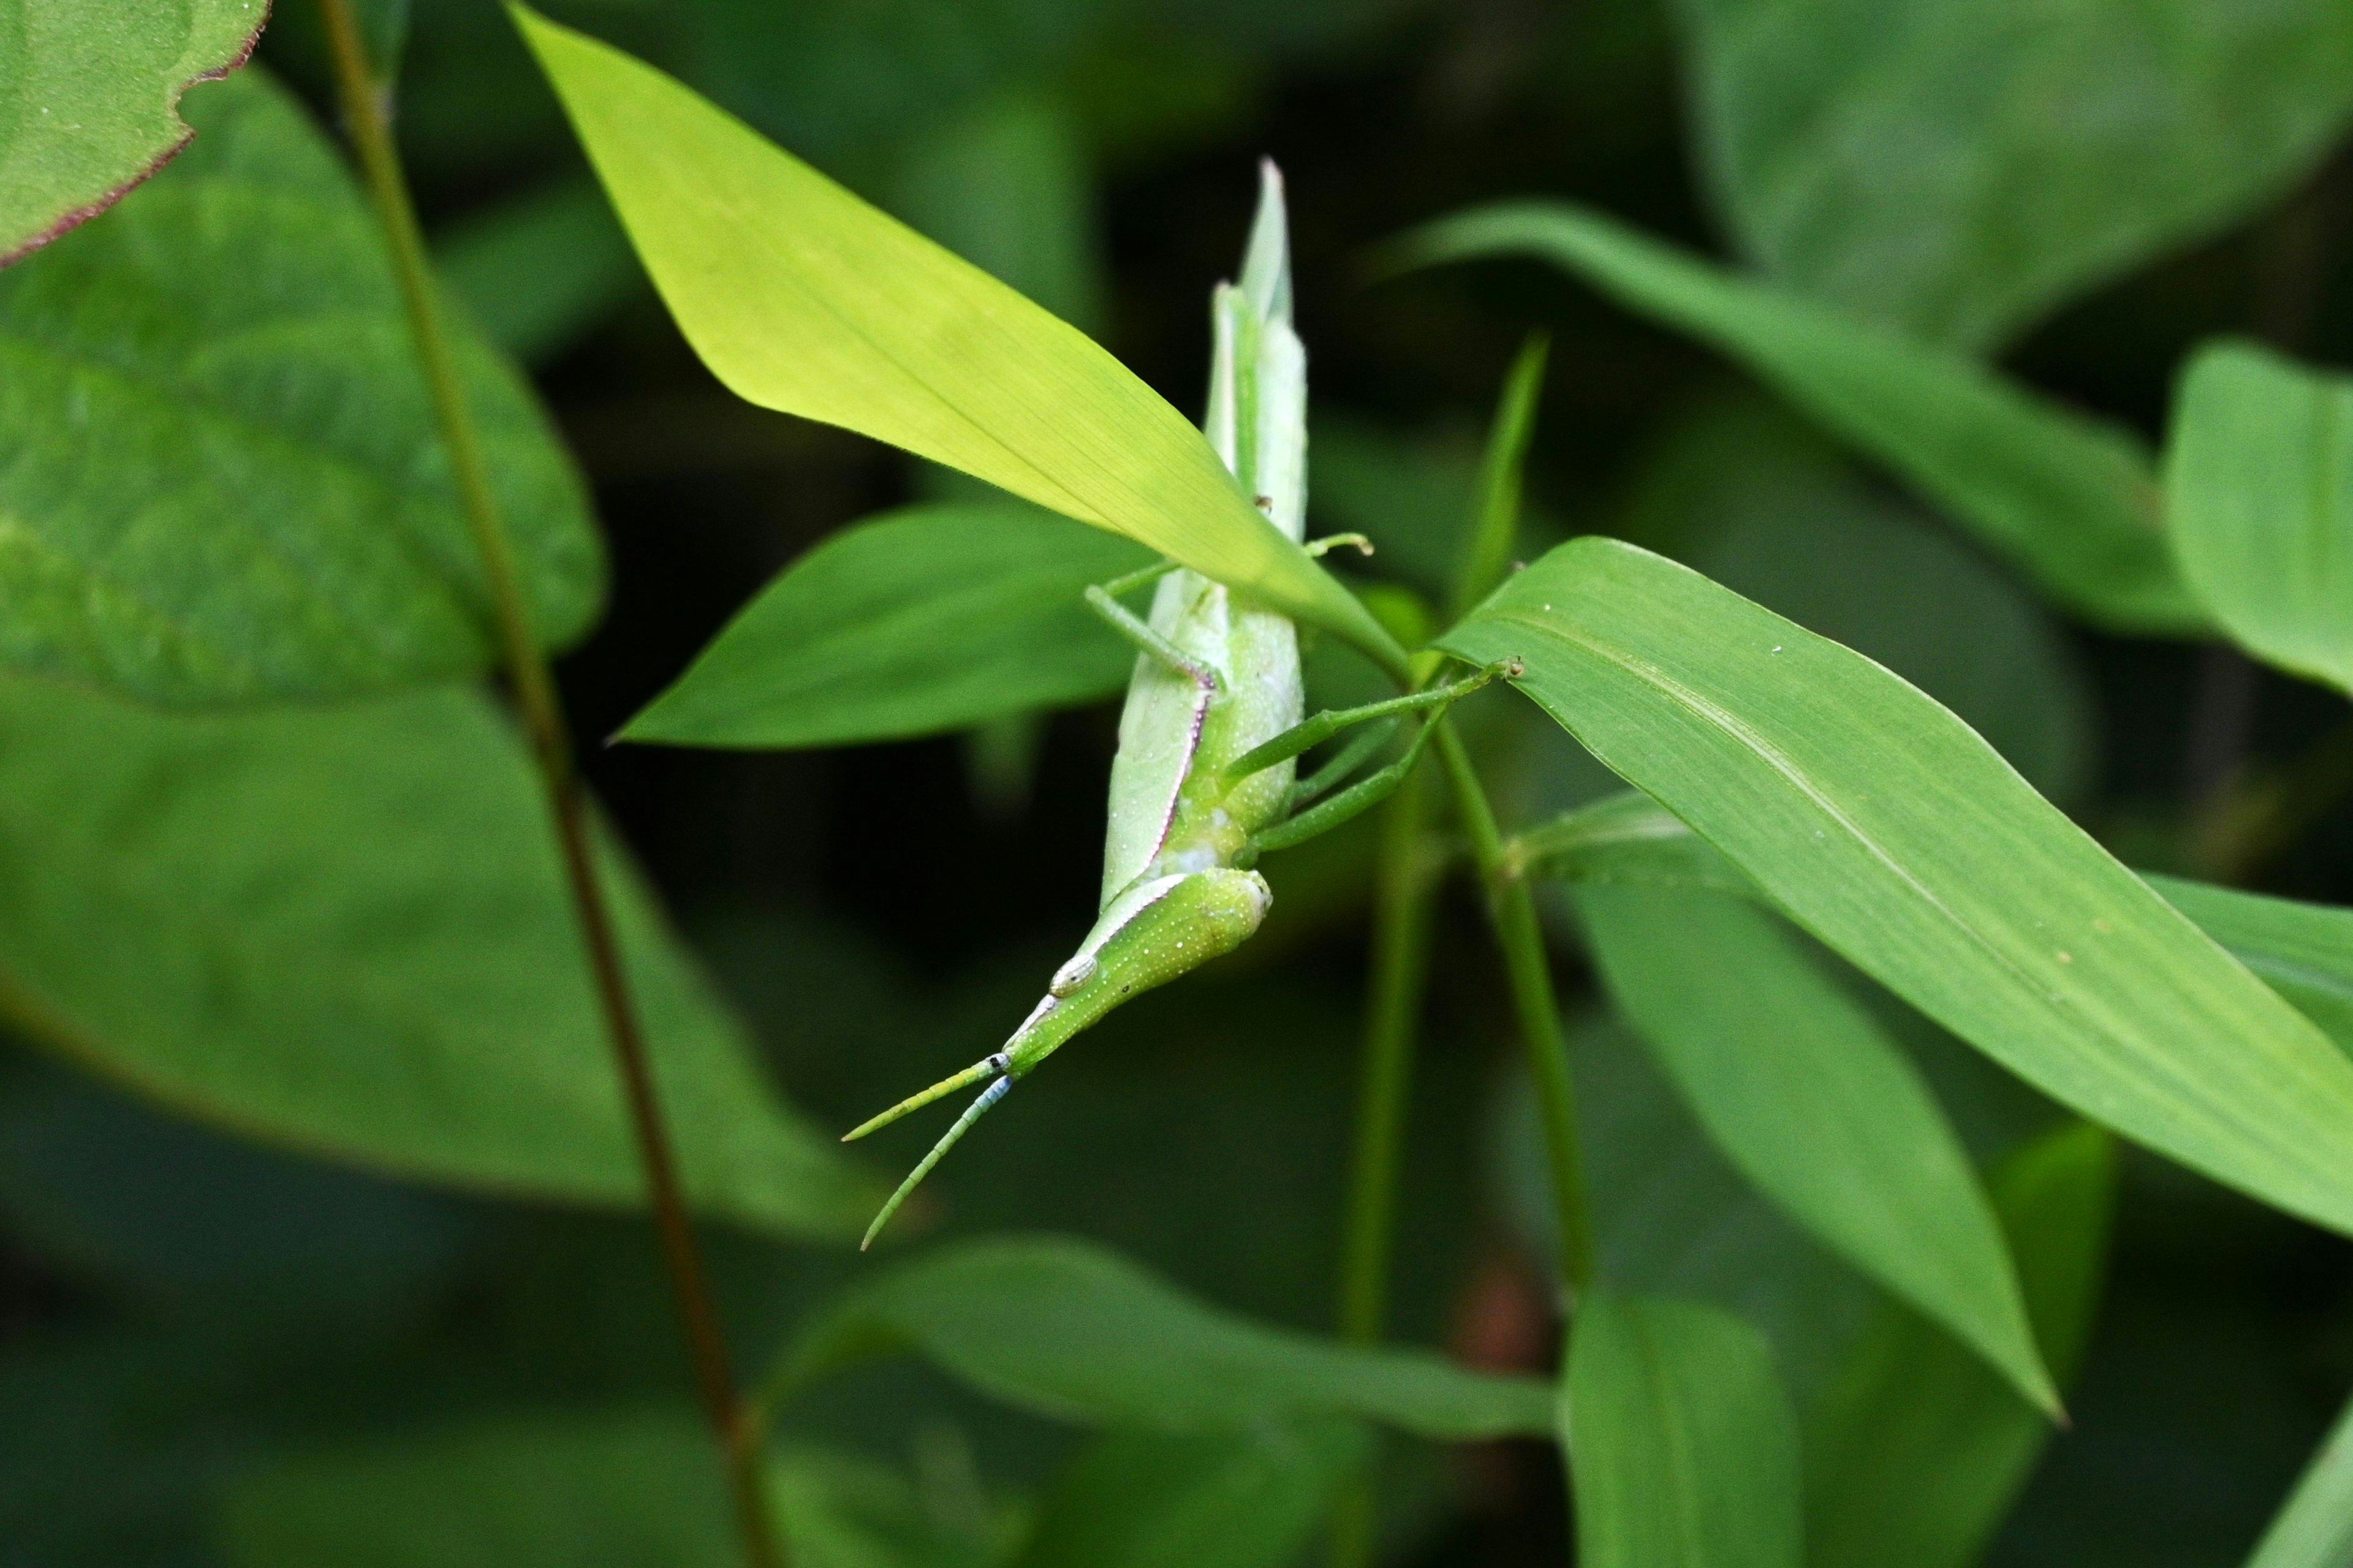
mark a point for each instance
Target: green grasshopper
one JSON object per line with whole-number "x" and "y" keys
{"x": 1203, "y": 782}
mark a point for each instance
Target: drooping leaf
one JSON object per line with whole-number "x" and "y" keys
{"x": 2313, "y": 1529}
{"x": 1248, "y": 1499}
{"x": 922, "y": 620}
{"x": 1683, "y": 1451}
{"x": 345, "y": 930}
{"x": 598, "y": 1489}
{"x": 1883, "y": 826}
{"x": 802, "y": 297}
{"x": 1958, "y": 167}
{"x": 1624, "y": 840}
{"x": 1915, "y": 1455}
{"x": 541, "y": 269}
{"x": 1809, "y": 1096}
{"x": 220, "y": 474}
{"x": 2068, "y": 499}
{"x": 2303, "y": 952}
{"x": 2259, "y": 503}
{"x": 1054, "y": 1325}
{"x": 89, "y": 100}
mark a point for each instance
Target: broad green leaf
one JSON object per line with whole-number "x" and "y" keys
{"x": 1807, "y": 1095}
{"x": 89, "y": 100}
{"x": 1624, "y": 840}
{"x": 2303, "y": 952}
{"x": 2259, "y": 503}
{"x": 802, "y": 297}
{"x": 345, "y": 930}
{"x": 540, "y": 270}
{"x": 926, "y": 619}
{"x": 1682, "y": 1450}
{"x": 2313, "y": 1529}
{"x": 220, "y": 474}
{"x": 1883, "y": 826}
{"x": 2068, "y": 499}
{"x": 1054, "y": 1325}
{"x": 1958, "y": 167}
{"x": 592, "y": 1489}
{"x": 1915, "y": 1454}
{"x": 1247, "y": 1499}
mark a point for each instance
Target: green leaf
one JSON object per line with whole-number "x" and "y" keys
{"x": 2313, "y": 1529}
{"x": 1806, "y": 1094}
{"x": 1682, "y": 1450}
{"x": 345, "y": 930}
{"x": 594, "y": 1490}
{"x": 1248, "y": 1498}
{"x": 1053, "y": 1325}
{"x": 1958, "y": 167}
{"x": 89, "y": 99}
{"x": 921, "y": 620}
{"x": 540, "y": 270}
{"x": 1915, "y": 1454}
{"x": 220, "y": 474}
{"x": 1884, "y": 827}
{"x": 2067, "y": 499}
{"x": 2259, "y": 503}
{"x": 802, "y": 297}
{"x": 2303, "y": 952}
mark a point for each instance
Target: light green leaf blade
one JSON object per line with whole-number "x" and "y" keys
{"x": 2313, "y": 1529}
{"x": 221, "y": 478}
{"x": 1247, "y": 1499}
{"x": 345, "y": 930}
{"x": 1052, "y": 1325}
{"x": 1682, "y": 1450}
{"x": 1958, "y": 167}
{"x": 2067, "y": 499}
{"x": 802, "y": 297}
{"x": 2303, "y": 952}
{"x": 1884, "y": 827}
{"x": 2259, "y": 503}
{"x": 599, "y": 1489}
{"x": 89, "y": 99}
{"x": 922, "y": 620}
{"x": 1915, "y": 1454}
{"x": 1811, "y": 1099}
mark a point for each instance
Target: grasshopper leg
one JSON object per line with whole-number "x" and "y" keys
{"x": 1314, "y": 731}
{"x": 1133, "y": 627}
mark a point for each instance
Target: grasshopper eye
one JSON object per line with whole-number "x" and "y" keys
{"x": 1072, "y": 975}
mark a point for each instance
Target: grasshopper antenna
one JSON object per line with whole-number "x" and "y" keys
{"x": 972, "y": 1114}
{"x": 980, "y": 1070}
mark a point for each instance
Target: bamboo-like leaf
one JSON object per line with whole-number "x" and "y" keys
{"x": 2303, "y": 952}
{"x": 2259, "y": 503}
{"x": 1246, "y": 1499}
{"x": 1883, "y": 826}
{"x": 91, "y": 94}
{"x": 1918, "y": 1451}
{"x": 589, "y": 1489}
{"x": 1054, "y": 1325}
{"x": 345, "y": 930}
{"x": 802, "y": 297}
{"x": 2068, "y": 499}
{"x": 221, "y": 479}
{"x": 2313, "y": 1529}
{"x": 922, "y": 620}
{"x": 1958, "y": 167}
{"x": 1682, "y": 1449}
{"x": 1805, "y": 1093}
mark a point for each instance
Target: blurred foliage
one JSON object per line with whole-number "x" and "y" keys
{"x": 214, "y": 1352}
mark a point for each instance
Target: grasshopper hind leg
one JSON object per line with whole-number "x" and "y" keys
{"x": 972, "y": 1114}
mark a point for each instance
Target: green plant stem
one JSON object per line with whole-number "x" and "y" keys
{"x": 362, "y": 101}
{"x": 1518, "y": 931}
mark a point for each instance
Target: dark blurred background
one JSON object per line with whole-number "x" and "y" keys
{"x": 174, "y": 1307}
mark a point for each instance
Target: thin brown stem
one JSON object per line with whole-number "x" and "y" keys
{"x": 365, "y": 112}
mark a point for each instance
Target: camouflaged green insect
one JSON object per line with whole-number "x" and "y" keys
{"x": 1203, "y": 782}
